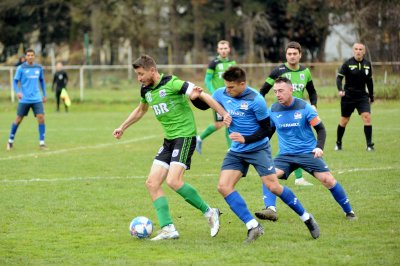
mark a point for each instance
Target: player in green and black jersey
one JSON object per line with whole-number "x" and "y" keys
{"x": 168, "y": 97}
{"x": 357, "y": 73}
{"x": 213, "y": 81}
{"x": 300, "y": 76}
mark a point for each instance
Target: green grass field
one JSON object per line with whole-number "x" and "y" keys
{"x": 72, "y": 204}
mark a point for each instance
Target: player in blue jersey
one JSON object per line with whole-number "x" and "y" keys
{"x": 293, "y": 120}
{"x": 29, "y": 75}
{"x": 250, "y": 146}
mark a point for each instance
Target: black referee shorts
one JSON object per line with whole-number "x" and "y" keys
{"x": 348, "y": 104}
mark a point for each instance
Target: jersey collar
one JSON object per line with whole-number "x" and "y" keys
{"x": 226, "y": 59}
{"x": 287, "y": 65}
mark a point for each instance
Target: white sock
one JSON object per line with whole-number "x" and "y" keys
{"x": 305, "y": 216}
{"x": 272, "y": 208}
{"x": 169, "y": 228}
{"x": 251, "y": 224}
{"x": 208, "y": 213}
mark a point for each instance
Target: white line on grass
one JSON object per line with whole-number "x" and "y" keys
{"x": 365, "y": 169}
{"x": 86, "y": 178}
{"x": 89, "y": 178}
{"x": 97, "y": 146}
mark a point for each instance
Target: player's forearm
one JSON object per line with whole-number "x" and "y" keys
{"x": 321, "y": 135}
{"x": 135, "y": 116}
{"x": 263, "y": 132}
{"x": 16, "y": 89}
{"x": 43, "y": 85}
{"x": 312, "y": 93}
{"x": 370, "y": 87}
{"x": 208, "y": 82}
{"x": 265, "y": 89}
{"x": 339, "y": 79}
{"x": 212, "y": 103}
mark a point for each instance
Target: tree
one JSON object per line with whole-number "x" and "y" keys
{"x": 309, "y": 25}
{"x": 376, "y": 23}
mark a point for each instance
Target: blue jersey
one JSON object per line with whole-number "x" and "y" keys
{"x": 246, "y": 110}
{"x": 29, "y": 77}
{"x": 294, "y": 126}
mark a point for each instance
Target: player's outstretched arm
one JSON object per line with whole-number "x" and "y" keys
{"x": 217, "y": 107}
{"x": 135, "y": 116}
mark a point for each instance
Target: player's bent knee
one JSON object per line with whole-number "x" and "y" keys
{"x": 326, "y": 179}
{"x": 174, "y": 183}
{"x": 274, "y": 187}
{"x": 152, "y": 185}
{"x": 224, "y": 189}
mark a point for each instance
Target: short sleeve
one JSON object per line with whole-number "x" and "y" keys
{"x": 312, "y": 115}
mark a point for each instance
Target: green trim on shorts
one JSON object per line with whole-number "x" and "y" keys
{"x": 185, "y": 150}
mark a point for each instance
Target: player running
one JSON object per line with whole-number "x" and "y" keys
{"x": 167, "y": 96}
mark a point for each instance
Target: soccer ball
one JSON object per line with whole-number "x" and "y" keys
{"x": 141, "y": 227}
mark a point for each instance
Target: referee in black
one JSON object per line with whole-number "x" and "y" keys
{"x": 358, "y": 76}
{"x": 60, "y": 81}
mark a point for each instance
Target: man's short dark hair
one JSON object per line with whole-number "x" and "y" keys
{"x": 144, "y": 61}
{"x": 283, "y": 80}
{"x": 294, "y": 45}
{"x": 29, "y": 50}
{"x": 234, "y": 74}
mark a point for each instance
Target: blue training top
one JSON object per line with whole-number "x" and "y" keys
{"x": 246, "y": 110}
{"x": 294, "y": 126}
{"x": 29, "y": 77}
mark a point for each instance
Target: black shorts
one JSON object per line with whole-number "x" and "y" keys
{"x": 218, "y": 117}
{"x": 348, "y": 104}
{"x": 179, "y": 150}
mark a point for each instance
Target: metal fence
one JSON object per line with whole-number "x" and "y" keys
{"x": 85, "y": 77}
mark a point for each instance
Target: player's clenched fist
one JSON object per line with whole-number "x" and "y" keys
{"x": 118, "y": 133}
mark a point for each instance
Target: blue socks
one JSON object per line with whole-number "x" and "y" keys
{"x": 41, "y": 128}
{"x": 14, "y": 128}
{"x": 340, "y": 196}
{"x": 287, "y": 197}
{"x": 42, "y": 132}
{"x": 238, "y": 206}
{"x": 290, "y": 199}
{"x": 268, "y": 197}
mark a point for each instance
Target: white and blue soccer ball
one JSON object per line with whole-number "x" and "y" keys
{"x": 141, "y": 227}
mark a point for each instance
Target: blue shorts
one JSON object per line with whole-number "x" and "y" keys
{"x": 290, "y": 162}
{"x": 261, "y": 160}
{"x": 23, "y": 108}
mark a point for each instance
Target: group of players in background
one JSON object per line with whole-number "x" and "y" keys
{"x": 249, "y": 127}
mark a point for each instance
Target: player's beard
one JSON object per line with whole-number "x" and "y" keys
{"x": 150, "y": 82}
